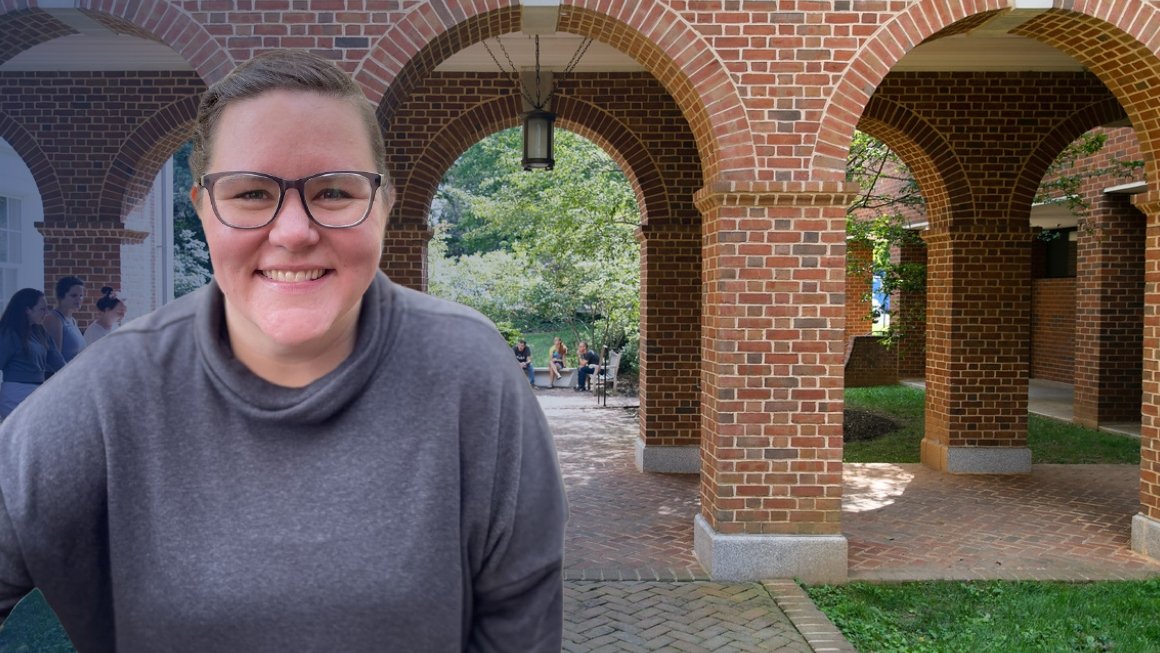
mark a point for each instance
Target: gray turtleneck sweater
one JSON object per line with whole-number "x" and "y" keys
{"x": 163, "y": 498}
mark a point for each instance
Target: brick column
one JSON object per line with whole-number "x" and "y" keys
{"x": 978, "y": 320}
{"x": 774, "y": 273}
{"x": 909, "y": 314}
{"x": 1109, "y": 303}
{"x": 405, "y": 254}
{"x": 670, "y": 348}
{"x": 86, "y": 250}
{"x": 1146, "y": 524}
{"x": 859, "y": 268}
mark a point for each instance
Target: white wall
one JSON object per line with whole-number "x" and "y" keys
{"x": 16, "y": 182}
{"x": 147, "y": 267}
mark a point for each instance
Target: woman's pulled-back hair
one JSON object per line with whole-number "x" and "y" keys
{"x": 108, "y": 300}
{"x": 15, "y": 318}
{"x": 280, "y": 70}
{"x": 65, "y": 284}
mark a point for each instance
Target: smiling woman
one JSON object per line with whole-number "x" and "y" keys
{"x": 259, "y": 463}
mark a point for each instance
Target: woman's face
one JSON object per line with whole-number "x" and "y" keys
{"x": 116, "y": 314}
{"x": 72, "y": 299}
{"x": 36, "y": 313}
{"x": 292, "y": 283}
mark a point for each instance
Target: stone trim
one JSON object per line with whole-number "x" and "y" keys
{"x": 811, "y": 558}
{"x": 976, "y": 460}
{"x": 1146, "y": 536}
{"x": 667, "y": 460}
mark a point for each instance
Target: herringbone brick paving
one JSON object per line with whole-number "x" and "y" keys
{"x": 676, "y": 616}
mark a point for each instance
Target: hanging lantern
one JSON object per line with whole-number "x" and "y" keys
{"x": 538, "y": 140}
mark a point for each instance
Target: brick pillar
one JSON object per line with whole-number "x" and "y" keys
{"x": 1109, "y": 316}
{"x": 1146, "y": 524}
{"x": 909, "y": 314}
{"x": 405, "y": 254}
{"x": 978, "y": 320}
{"x": 774, "y": 273}
{"x": 670, "y": 348}
{"x": 859, "y": 270}
{"x": 86, "y": 250}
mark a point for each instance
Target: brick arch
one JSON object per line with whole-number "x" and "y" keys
{"x": 1120, "y": 48}
{"x": 25, "y": 28}
{"x": 47, "y": 182}
{"x": 938, "y": 172}
{"x": 166, "y": 23}
{"x": 131, "y": 173}
{"x": 584, "y": 118}
{"x": 1036, "y": 165}
{"x": 848, "y": 100}
{"x": 1109, "y": 41}
{"x": 652, "y": 34}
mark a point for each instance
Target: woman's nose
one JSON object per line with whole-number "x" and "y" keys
{"x": 292, "y": 227}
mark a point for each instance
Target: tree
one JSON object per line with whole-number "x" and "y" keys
{"x": 191, "y": 265}
{"x": 879, "y": 218}
{"x": 570, "y": 232}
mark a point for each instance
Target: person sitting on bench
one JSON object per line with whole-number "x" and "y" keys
{"x": 524, "y": 357}
{"x": 556, "y": 363}
{"x": 589, "y": 364}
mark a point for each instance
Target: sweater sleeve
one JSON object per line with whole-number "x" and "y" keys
{"x": 518, "y": 589}
{"x": 52, "y": 511}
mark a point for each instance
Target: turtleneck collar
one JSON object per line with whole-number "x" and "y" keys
{"x": 314, "y": 403}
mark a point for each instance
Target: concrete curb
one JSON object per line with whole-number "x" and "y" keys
{"x": 820, "y": 633}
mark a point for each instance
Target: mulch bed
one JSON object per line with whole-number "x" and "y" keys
{"x": 864, "y": 425}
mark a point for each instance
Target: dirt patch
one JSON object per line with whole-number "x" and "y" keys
{"x": 864, "y": 425}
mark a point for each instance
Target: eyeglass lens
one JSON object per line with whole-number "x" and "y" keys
{"x": 334, "y": 200}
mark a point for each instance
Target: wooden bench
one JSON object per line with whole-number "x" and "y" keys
{"x": 567, "y": 378}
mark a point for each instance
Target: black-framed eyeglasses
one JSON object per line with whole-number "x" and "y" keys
{"x": 251, "y": 200}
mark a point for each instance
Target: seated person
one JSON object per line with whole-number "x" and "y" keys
{"x": 589, "y": 364}
{"x": 524, "y": 357}
{"x": 556, "y": 363}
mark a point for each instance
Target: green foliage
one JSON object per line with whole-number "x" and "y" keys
{"x": 542, "y": 250}
{"x": 1064, "y": 178}
{"x": 877, "y": 219}
{"x": 1050, "y": 441}
{"x": 509, "y": 332}
{"x": 192, "y": 267}
{"x": 999, "y": 616}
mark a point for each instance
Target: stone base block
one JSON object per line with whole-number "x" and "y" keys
{"x": 811, "y": 558}
{"x": 668, "y": 460}
{"x": 976, "y": 460}
{"x": 1146, "y": 536}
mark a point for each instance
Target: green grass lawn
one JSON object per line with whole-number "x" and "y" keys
{"x": 998, "y": 616}
{"x": 33, "y": 628}
{"x": 540, "y": 344}
{"x": 1051, "y": 441}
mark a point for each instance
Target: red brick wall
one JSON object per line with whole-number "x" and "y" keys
{"x": 859, "y": 268}
{"x": 1053, "y": 329}
{"x": 910, "y": 315}
{"x": 94, "y": 141}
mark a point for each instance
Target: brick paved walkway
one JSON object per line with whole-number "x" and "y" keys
{"x": 632, "y": 582}
{"x": 1061, "y": 522}
{"x": 629, "y": 540}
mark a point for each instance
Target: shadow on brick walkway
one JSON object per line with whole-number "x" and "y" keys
{"x": 630, "y": 537}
